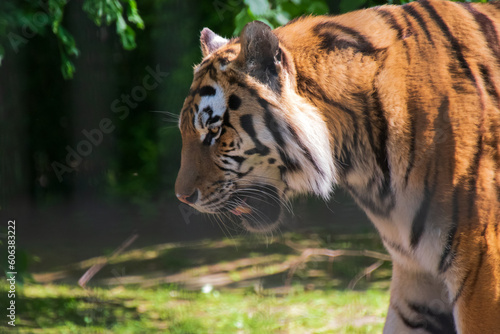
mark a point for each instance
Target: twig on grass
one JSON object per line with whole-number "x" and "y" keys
{"x": 98, "y": 266}
{"x": 365, "y": 272}
{"x": 336, "y": 253}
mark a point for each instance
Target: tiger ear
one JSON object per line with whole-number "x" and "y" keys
{"x": 260, "y": 52}
{"x": 211, "y": 42}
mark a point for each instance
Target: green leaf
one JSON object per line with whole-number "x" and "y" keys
{"x": 258, "y": 7}
{"x": 127, "y": 38}
{"x": 121, "y": 25}
{"x": 67, "y": 67}
{"x": 68, "y": 42}
{"x": 240, "y": 20}
{"x": 56, "y": 8}
{"x": 133, "y": 14}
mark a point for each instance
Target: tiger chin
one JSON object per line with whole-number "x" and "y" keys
{"x": 400, "y": 106}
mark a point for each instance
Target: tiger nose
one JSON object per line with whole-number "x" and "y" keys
{"x": 188, "y": 199}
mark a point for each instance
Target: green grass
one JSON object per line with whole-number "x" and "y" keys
{"x": 225, "y": 286}
{"x": 64, "y": 309}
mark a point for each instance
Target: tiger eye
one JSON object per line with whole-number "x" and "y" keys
{"x": 215, "y": 130}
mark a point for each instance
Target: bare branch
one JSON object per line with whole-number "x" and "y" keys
{"x": 98, "y": 266}
{"x": 333, "y": 254}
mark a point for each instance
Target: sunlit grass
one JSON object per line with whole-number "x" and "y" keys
{"x": 222, "y": 286}
{"x": 65, "y": 309}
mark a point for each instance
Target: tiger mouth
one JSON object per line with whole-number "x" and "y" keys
{"x": 258, "y": 207}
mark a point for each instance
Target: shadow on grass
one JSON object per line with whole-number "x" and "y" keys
{"x": 235, "y": 263}
{"x": 49, "y": 311}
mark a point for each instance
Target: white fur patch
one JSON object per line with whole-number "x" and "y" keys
{"x": 314, "y": 135}
{"x": 216, "y": 103}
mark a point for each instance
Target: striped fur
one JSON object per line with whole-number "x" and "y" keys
{"x": 400, "y": 105}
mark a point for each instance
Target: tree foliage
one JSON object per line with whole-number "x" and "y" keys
{"x": 21, "y": 21}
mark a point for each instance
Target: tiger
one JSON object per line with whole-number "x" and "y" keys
{"x": 397, "y": 104}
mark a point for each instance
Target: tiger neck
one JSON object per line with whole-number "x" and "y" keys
{"x": 357, "y": 127}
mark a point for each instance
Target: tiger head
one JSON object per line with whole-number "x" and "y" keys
{"x": 249, "y": 141}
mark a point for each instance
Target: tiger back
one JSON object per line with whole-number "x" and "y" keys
{"x": 400, "y": 105}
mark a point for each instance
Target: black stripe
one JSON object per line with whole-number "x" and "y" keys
{"x": 238, "y": 174}
{"x": 331, "y": 40}
{"x": 345, "y": 158}
{"x": 473, "y": 171}
{"x": 377, "y": 131}
{"x": 409, "y": 323}
{"x": 214, "y": 119}
{"x": 411, "y": 10}
{"x": 447, "y": 256}
{"x": 455, "y": 45}
{"x": 490, "y": 86}
{"x": 381, "y": 152}
{"x": 305, "y": 150}
{"x": 444, "y": 322}
{"x": 275, "y": 129}
{"x": 418, "y": 224}
{"x": 246, "y": 122}
{"x": 208, "y": 139}
{"x": 208, "y": 110}
{"x": 487, "y": 28}
{"x": 496, "y": 157}
{"x": 421, "y": 324}
{"x": 235, "y": 158}
{"x": 210, "y": 69}
{"x": 223, "y": 61}
{"x": 461, "y": 287}
{"x": 395, "y": 246}
{"x": 226, "y": 120}
{"x": 366, "y": 200}
{"x": 413, "y": 134}
{"x": 207, "y": 91}
{"x": 477, "y": 270}
{"x": 204, "y": 62}
{"x": 271, "y": 123}
{"x": 391, "y": 20}
{"x": 289, "y": 164}
{"x": 402, "y": 34}
{"x": 367, "y": 121}
{"x": 308, "y": 86}
{"x": 260, "y": 150}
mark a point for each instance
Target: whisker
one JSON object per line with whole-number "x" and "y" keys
{"x": 171, "y": 114}
{"x": 255, "y": 194}
{"x": 171, "y": 117}
{"x": 262, "y": 177}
